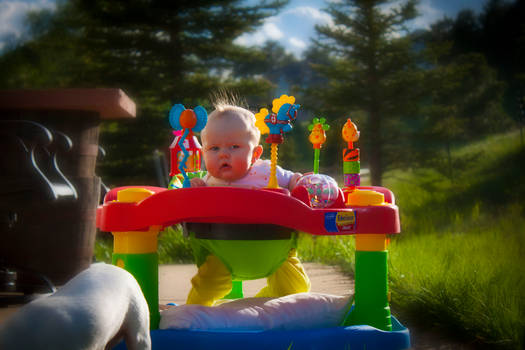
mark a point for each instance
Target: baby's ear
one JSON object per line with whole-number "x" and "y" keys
{"x": 257, "y": 152}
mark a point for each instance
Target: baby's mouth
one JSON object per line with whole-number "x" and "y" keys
{"x": 225, "y": 166}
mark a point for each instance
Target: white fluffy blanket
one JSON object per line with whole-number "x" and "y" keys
{"x": 292, "y": 312}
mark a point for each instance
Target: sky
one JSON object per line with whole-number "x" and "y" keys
{"x": 292, "y": 27}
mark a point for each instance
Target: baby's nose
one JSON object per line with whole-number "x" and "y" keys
{"x": 224, "y": 154}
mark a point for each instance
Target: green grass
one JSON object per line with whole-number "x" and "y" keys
{"x": 336, "y": 250}
{"x": 174, "y": 247}
{"x": 103, "y": 247}
{"x": 493, "y": 182}
{"x": 458, "y": 264}
{"x": 469, "y": 283}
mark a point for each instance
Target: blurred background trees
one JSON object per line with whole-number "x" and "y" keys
{"x": 158, "y": 52}
{"x": 414, "y": 94}
{"x": 372, "y": 68}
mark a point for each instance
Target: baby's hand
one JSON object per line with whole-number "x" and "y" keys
{"x": 293, "y": 180}
{"x": 197, "y": 182}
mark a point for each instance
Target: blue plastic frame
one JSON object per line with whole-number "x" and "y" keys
{"x": 344, "y": 338}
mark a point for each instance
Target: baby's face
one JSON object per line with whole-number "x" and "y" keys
{"x": 228, "y": 149}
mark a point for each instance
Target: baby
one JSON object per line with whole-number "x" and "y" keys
{"x": 231, "y": 152}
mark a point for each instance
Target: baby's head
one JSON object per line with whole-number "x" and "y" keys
{"x": 230, "y": 142}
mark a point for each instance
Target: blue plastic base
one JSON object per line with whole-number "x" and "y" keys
{"x": 354, "y": 337}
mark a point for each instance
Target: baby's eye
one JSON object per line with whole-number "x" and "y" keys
{"x": 235, "y": 146}
{"x": 214, "y": 148}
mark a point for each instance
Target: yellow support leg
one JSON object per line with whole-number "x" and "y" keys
{"x": 272, "y": 183}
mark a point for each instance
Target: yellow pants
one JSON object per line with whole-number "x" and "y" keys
{"x": 213, "y": 281}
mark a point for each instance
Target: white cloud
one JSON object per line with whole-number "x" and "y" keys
{"x": 12, "y": 14}
{"x": 292, "y": 26}
{"x": 428, "y": 14}
{"x": 311, "y": 13}
{"x": 298, "y": 43}
{"x": 269, "y": 31}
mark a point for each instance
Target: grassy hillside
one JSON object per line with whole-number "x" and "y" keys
{"x": 459, "y": 264}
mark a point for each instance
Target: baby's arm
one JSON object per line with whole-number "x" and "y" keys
{"x": 293, "y": 180}
{"x": 197, "y": 182}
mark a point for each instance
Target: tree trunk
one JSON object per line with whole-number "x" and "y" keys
{"x": 375, "y": 150}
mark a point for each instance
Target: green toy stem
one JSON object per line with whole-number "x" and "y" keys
{"x": 316, "y": 160}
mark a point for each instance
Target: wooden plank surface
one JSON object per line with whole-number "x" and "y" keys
{"x": 108, "y": 103}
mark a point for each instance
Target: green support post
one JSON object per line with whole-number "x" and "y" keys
{"x": 371, "y": 271}
{"x": 136, "y": 252}
{"x": 236, "y": 292}
{"x": 145, "y": 269}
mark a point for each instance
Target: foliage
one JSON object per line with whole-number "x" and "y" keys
{"x": 414, "y": 95}
{"x": 493, "y": 182}
{"x": 158, "y": 52}
{"x": 463, "y": 103}
{"x": 103, "y": 248}
{"x": 174, "y": 247}
{"x": 498, "y": 34}
{"x": 371, "y": 68}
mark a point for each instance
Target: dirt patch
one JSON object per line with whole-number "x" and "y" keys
{"x": 174, "y": 282}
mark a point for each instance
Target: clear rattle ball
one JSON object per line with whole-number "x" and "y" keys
{"x": 322, "y": 189}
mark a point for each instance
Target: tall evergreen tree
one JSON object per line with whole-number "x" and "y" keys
{"x": 373, "y": 69}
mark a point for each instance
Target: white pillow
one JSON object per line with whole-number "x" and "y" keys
{"x": 291, "y": 312}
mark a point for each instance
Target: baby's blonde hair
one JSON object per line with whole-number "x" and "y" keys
{"x": 227, "y": 106}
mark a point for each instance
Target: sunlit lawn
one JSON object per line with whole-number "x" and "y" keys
{"x": 459, "y": 263}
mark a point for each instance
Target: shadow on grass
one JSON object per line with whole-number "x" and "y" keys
{"x": 500, "y": 183}
{"x": 488, "y": 188}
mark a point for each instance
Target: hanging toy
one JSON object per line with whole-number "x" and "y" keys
{"x": 275, "y": 125}
{"x": 187, "y": 121}
{"x": 193, "y": 163}
{"x": 317, "y": 138}
{"x": 351, "y": 163}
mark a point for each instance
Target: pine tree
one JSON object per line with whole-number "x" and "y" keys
{"x": 372, "y": 69}
{"x": 168, "y": 51}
